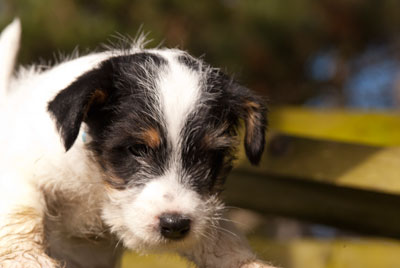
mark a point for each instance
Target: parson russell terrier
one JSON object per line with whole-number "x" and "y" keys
{"x": 122, "y": 149}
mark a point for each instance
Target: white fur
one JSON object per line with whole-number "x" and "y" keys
{"x": 180, "y": 92}
{"x": 41, "y": 184}
{"x": 163, "y": 195}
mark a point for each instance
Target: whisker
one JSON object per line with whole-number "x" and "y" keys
{"x": 117, "y": 245}
{"x": 219, "y": 228}
{"x": 230, "y": 221}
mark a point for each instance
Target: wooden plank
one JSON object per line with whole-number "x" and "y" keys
{"x": 374, "y": 128}
{"x": 298, "y": 253}
{"x": 339, "y": 163}
{"x": 353, "y": 209}
{"x": 131, "y": 259}
{"x": 350, "y": 186}
{"x": 332, "y": 253}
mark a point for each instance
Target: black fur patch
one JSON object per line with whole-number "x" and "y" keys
{"x": 216, "y": 123}
{"x": 119, "y": 102}
{"x": 116, "y": 124}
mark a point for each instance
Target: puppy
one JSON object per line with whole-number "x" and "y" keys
{"x": 123, "y": 149}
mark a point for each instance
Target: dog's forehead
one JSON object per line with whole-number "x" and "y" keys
{"x": 173, "y": 104}
{"x": 184, "y": 95}
{"x": 168, "y": 86}
{"x": 179, "y": 88}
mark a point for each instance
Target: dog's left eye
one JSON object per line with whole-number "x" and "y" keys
{"x": 138, "y": 149}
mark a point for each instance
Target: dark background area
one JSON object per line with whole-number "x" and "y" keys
{"x": 330, "y": 53}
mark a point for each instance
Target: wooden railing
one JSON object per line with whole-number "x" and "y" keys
{"x": 333, "y": 167}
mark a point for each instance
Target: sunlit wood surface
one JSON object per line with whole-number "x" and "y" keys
{"x": 131, "y": 260}
{"x": 300, "y": 253}
{"x": 373, "y": 128}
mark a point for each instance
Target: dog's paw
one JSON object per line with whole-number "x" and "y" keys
{"x": 256, "y": 264}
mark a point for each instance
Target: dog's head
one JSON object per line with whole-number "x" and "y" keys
{"x": 163, "y": 128}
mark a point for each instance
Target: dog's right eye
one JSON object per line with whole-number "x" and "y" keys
{"x": 138, "y": 149}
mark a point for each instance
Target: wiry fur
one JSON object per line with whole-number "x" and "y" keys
{"x": 103, "y": 151}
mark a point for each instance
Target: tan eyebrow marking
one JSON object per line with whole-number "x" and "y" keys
{"x": 151, "y": 137}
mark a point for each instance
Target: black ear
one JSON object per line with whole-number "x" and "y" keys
{"x": 256, "y": 123}
{"x": 253, "y": 111}
{"x": 71, "y": 106}
{"x": 243, "y": 104}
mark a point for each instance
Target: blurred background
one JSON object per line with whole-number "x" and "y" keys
{"x": 317, "y": 53}
{"x": 312, "y": 56}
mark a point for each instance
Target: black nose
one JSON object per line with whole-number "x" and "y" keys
{"x": 174, "y": 226}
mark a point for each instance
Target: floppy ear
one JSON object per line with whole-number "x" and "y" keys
{"x": 243, "y": 104}
{"x": 254, "y": 114}
{"x": 71, "y": 106}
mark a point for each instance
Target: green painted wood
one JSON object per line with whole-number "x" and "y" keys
{"x": 299, "y": 253}
{"x": 351, "y": 186}
{"x": 339, "y": 163}
{"x": 353, "y": 209}
{"x": 380, "y": 128}
{"x": 329, "y": 253}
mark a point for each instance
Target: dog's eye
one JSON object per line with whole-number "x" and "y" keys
{"x": 138, "y": 149}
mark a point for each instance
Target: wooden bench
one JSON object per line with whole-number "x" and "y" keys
{"x": 333, "y": 167}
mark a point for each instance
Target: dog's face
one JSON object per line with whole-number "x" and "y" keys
{"x": 163, "y": 128}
